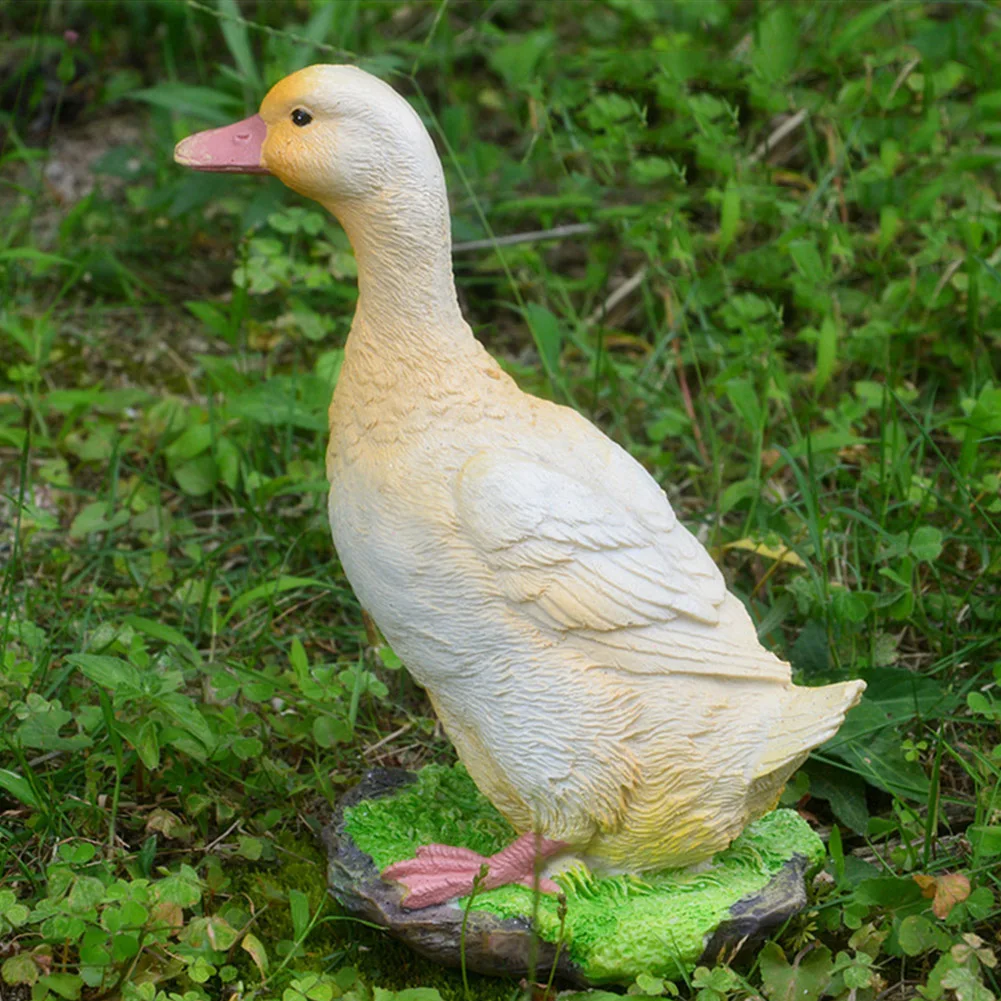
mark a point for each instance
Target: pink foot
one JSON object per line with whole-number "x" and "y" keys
{"x": 440, "y": 872}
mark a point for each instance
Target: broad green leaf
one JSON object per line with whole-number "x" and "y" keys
{"x": 110, "y": 672}
{"x": 193, "y": 441}
{"x": 18, "y": 787}
{"x": 985, "y": 838}
{"x": 858, "y": 26}
{"x": 284, "y": 401}
{"x": 926, "y": 544}
{"x": 63, "y": 985}
{"x": 888, "y": 891}
{"x": 806, "y": 257}
{"x": 186, "y": 713}
{"x": 247, "y": 748}
{"x": 804, "y": 981}
{"x": 329, "y": 731}
{"x": 299, "y": 907}
{"x": 516, "y": 60}
{"x": 19, "y": 969}
{"x": 845, "y": 792}
{"x": 778, "y": 42}
{"x": 868, "y": 743}
{"x": 160, "y": 631}
{"x": 147, "y": 745}
{"x": 918, "y": 935}
{"x": 197, "y": 477}
{"x": 744, "y": 398}
{"x": 96, "y": 517}
{"x": 418, "y": 994}
{"x": 547, "y": 334}
{"x": 183, "y": 887}
{"x": 250, "y": 848}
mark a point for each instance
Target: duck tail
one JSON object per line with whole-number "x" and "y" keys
{"x": 807, "y": 717}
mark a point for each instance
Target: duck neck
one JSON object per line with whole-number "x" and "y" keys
{"x": 406, "y": 290}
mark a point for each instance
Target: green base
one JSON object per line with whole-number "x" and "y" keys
{"x": 616, "y": 927}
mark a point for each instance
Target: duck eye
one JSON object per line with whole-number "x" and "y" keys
{"x": 300, "y": 117}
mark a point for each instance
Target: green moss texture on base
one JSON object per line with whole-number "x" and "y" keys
{"x": 616, "y": 926}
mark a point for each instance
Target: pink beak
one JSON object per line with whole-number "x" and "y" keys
{"x": 233, "y": 149}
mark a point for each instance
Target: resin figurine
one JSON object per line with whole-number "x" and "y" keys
{"x": 603, "y": 689}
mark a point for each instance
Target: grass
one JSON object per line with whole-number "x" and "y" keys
{"x": 787, "y": 305}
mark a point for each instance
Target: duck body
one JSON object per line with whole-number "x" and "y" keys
{"x": 579, "y": 645}
{"x": 634, "y": 736}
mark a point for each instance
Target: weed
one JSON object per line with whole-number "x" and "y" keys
{"x": 757, "y": 245}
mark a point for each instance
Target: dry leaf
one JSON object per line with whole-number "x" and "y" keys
{"x": 252, "y": 945}
{"x": 167, "y": 914}
{"x": 945, "y": 891}
{"x": 783, "y": 555}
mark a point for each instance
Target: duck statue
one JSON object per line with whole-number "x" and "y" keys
{"x": 602, "y": 687}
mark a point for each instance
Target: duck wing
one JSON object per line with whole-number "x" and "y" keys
{"x": 607, "y": 563}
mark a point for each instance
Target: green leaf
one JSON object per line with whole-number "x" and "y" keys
{"x": 547, "y": 335}
{"x": 918, "y": 935}
{"x": 844, "y": 791}
{"x": 197, "y": 477}
{"x": 183, "y": 887}
{"x": 87, "y": 893}
{"x": 124, "y": 946}
{"x": 30, "y": 254}
{"x": 808, "y": 263}
{"x": 778, "y": 43}
{"x": 65, "y": 985}
{"x": 211, "y": 106}
{"x": 868, "y": 743}
{"x": 94, "y": 518}
{"x": 194, "y": 440}
{"x": 147, "y": 744}
{"x": 201, "y": 970}
{"x": 729, "y": 217}
{"x": 187, "y": 714}
{"x": 109, "y": 672}
{"x": 804, "y": 981}
{"x": 18, "y": 787}
{"x": 516, "y": 60}
{"x": 418, "y": 994}
{"x": 19, "y": 969}
{"x": 277, "y": 403}
{"x": 297, "y": 656}
{"x": 329, "y": 731}
{"x": 985, "y": 838}
{"x": 247, "y": 748}
{"x": 926, "y": 544}
{"x": 858, "y": 26}
{"x": 744, "y": 398}
{"x": 161, "y": 631}
{"x": 234, "y": 31}
{"x": 888, "y": 891}
{"x": 212, "y": 316}
{"x": 298, "y": 904}
{"x": 827, "y": 351}
{"x": 271, "y": 588}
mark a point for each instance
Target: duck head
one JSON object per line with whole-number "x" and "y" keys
{"x": 347, "y": 140}
{"x": 335, "y": 134}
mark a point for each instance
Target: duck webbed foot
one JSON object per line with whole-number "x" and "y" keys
{"x": 440, "y": 872}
